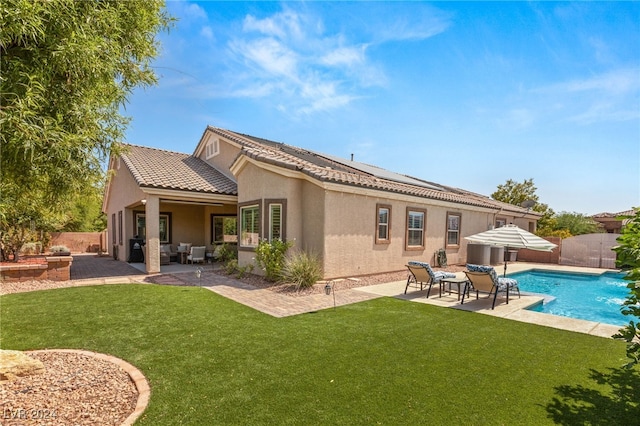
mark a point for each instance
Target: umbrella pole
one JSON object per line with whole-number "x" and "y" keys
{"x": 506, "y": 260}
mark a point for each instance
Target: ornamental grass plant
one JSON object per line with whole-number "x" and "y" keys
{"x": 302, "y": 269}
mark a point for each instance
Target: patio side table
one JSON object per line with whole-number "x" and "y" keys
{"x": 460, "y": 282}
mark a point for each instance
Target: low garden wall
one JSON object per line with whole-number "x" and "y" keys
{"x": 52, "y": 268}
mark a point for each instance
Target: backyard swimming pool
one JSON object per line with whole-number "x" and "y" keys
{"x": 583, "y": 296}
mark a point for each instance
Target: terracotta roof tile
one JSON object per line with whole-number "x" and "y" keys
{"x": 156, "y": 168}
{"x": 330, "y": 170}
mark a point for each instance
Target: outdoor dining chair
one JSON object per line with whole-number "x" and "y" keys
{"x": 197, "y": 254}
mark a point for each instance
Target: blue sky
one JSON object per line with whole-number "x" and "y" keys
{"x": 462, "y": 94}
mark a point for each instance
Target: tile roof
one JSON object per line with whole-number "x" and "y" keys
{"x": 156, "y": 168}
{"x": 331, "y": 169}
{"x": 614, "y": 215}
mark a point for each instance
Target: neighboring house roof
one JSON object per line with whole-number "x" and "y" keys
{"x": 157, "y": 168}
{"x": 333, "y": 169}
{"x": 607, "y": 215}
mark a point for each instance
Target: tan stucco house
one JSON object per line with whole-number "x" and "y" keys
{"x": 358, "y": 218}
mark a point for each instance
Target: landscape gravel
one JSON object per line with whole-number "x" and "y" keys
{"x": 76, "y": 389}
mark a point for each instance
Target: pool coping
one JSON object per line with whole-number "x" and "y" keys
{"x": 515, "y": 310}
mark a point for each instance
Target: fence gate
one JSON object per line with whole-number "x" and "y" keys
{"x": 591, "y": 250}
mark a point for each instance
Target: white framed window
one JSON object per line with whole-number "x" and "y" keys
{"x": 383, "y": 224}
{"x": 500, "y": 222}
{"x": 453, "y": 229}
{"x": 415, "y": 228}
{"x": 275, "y": 222}
{"x": 212, "y": 148}
{"x": 276, "y": 215}
{"x": 249, "y": 225}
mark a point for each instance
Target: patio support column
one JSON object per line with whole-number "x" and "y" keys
{"x": 152, "y": 221}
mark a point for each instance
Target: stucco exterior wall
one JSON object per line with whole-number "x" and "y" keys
{"x": 313, "y": 214}
{"x": 123, "y": 192}
{"x": 256, "y": 184}
{"x": 225, "y": 157}
{"x": 350, "y": 246}
{"x": 339, "y": 223}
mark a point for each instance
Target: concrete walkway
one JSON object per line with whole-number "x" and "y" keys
{"x": 91, "y": 269}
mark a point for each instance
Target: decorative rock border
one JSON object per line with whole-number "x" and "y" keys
{"x": 141, "y": 383}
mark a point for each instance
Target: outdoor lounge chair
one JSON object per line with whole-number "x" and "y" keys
{"x": 420, "y": 273}
{"x": 485, "y": 279}
{"x": 197, "y": 254}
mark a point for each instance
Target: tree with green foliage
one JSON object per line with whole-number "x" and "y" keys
{"x": 576, "y": 223}
{"x": 628, "y": 259}
{"x": 517, "y": 193}
{"x": 85, "y": 212}
{"x": 67, "y": 68}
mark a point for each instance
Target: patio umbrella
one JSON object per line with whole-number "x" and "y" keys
{"x": 511, "y": 236}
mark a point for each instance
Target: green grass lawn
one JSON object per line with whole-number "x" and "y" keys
{"x": 212, "y": 361}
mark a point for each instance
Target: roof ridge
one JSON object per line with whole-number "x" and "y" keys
{"x": 153, "y": 148}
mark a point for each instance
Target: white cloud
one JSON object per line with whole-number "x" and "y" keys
{"x": 187, "y": 10}
{"x": 269, "y": 55}
{"x": 614, "y": 82}
{"x": 346, "y": 56}
{"x": 207, "y": 32}
{"x": 606, "y": 97}
{"x": 300, "y": 63}
{"x": 305, "y": 68}
{"x": 283, "y": 25}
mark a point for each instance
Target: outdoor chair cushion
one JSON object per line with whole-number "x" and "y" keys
{"x": 435, "y": 275}
{"x": 501, "y": 282}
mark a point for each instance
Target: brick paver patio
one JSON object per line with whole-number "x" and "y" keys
{"x": 88, "y": 269}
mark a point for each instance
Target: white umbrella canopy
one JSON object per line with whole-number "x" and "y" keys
{"x": 511, "y": 236}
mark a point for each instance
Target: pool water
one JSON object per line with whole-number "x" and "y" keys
{"x": 583, "y": 296}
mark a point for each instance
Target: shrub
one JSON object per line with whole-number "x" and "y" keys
{"x": 242, "y": 271}
{"x": 60, "y": 249}
{"x": 270, "y": 257}
{"x": 628, "y": 258}
{"x": 231, "y": 266}
{"x": 227, "y": 252}
{"x": 302, "y": 269}
{"x": 31, "y": 248}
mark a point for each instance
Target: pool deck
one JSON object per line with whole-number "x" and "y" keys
{"x": 515, "y": 310}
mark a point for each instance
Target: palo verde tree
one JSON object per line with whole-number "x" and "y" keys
{"x": 628, "y": 259}
{"x": 67, "y": 68}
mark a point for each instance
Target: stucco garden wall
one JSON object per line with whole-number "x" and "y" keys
{"x": 80, "y": 242}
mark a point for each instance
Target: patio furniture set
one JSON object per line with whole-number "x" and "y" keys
{"x": 479, "y": 278}
{"x": 186, "y": 253}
